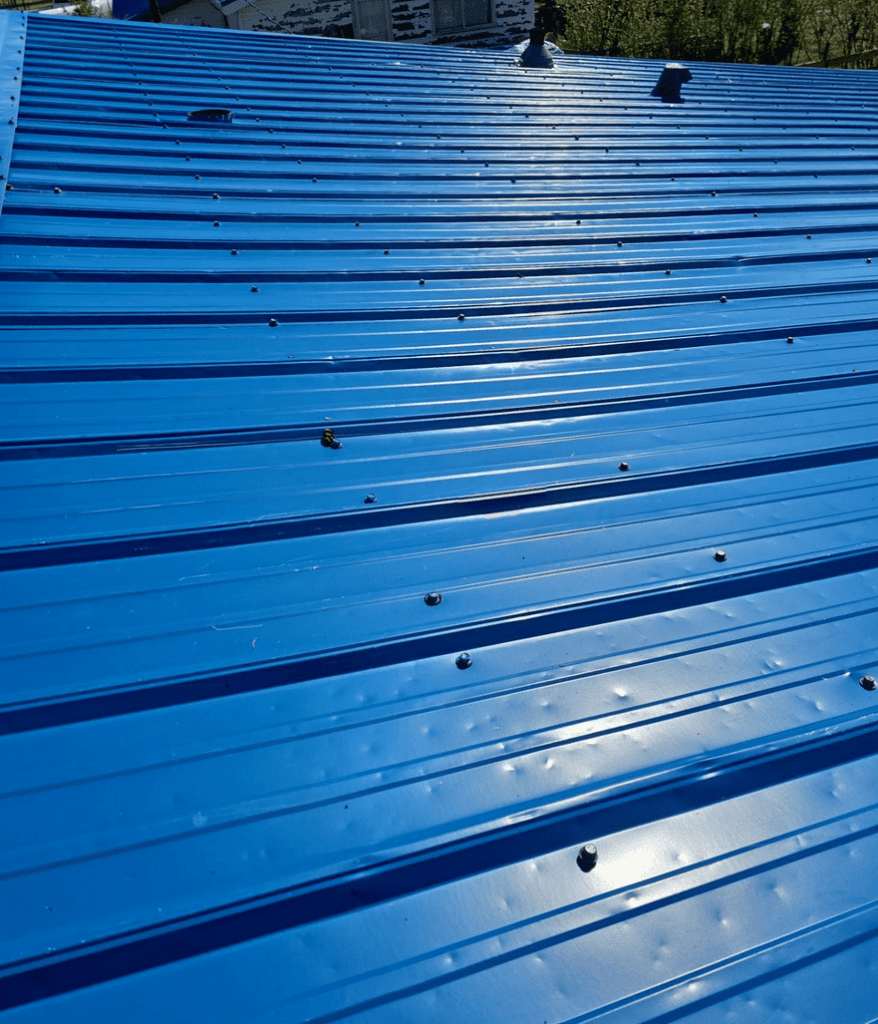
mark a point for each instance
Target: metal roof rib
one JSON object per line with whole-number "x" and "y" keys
{"x": 437, "y": 468}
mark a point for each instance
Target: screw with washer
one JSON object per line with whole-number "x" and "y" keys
{"x": 868, "y": 683}
{"x": 587, "y": 857}
{"x": 463, "y": 661}
{"x": 719, "y": 556}
{"x": 432, "y": 599}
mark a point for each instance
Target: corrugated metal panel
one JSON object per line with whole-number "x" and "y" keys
{"x": 575, "y": 343}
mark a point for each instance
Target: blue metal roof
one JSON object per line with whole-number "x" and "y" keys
{"x": 599, "y": 370}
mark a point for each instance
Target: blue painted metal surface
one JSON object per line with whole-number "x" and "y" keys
{"x": 575, "y": 343}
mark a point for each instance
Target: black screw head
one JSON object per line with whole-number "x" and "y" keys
{"x": 216, "y": 195}
{"x": 790, "y": 340}
{"x": 234, "y": 252}
{"x": 254, "y": 289}
{"x": 719, "y": 556}
{"x": 216, "y": 223}
{"x": 587, "y": 857}
{"x": 722, "y": 298}
{"x": 624, "y": 467}
{"x": 460, "y": 316}
{"x": 370, "y": 499}
{"x": 422, "y": 281}
{"x": 272, "y": 322}
{"x": 868, "y": 683}
{"x": 463, "y": 661}
{"x": 432, "y": 599}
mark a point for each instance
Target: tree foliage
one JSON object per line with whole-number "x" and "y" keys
{"x": 751, "y": 31}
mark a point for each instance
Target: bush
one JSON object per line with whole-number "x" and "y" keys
{"x": 751, "y": 31}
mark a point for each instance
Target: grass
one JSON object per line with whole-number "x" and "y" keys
{"x": 837, "y": 32}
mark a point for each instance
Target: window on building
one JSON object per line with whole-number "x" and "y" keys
{"x": 449, "y": 15}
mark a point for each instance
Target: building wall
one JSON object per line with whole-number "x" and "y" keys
{"x": 196, "y": 12}
{"x": 412, "y": 21}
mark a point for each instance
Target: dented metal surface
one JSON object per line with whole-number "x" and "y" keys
{"x": 426, "y": 363}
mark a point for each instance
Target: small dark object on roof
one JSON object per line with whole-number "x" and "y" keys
{"x": 212, "y": 115}
{"x": 670, "y": 80}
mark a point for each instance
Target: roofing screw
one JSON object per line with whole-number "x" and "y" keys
{"x": 272, "y": 322}
{"x": 328, "y": 438}
{"x": 623, "y": 466}
{"x": 587, "y": 857}
{"x": 216, "y": 223}
{"x": 722, "y": 298}
{"x": 234, "y": 252}
{"x": 667, "y": 273}
{"x": 314, "y": 180}
{"x": 719, "y": 556}
{"x": 254, "y": 289}
{"x": 356, "y": 223}
{"x": 216, "y": 195}
{"x": 432, "y": 599}
{"x": 422, "y": 281}
{"x": 790, "y": 341}
{"x": 460, "y": 316}
{"x": 386, "y": 252}
{"x": 370, "y": 499}
{"x": 807, "y": 236}
{"x": 198, "y": 177}
{"x": 868, "y": 259}
{"x": 463, "y": 661}
{"x": 57, "y": 191}
{"x": 618, "y": 245}
{"x": 713, "y": 193}
{"x": 868, "y": 683}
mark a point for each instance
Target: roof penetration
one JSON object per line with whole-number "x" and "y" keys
{"x": 439, "y": 555}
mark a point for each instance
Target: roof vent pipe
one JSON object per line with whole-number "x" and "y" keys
{"x": 670, "y": 80}
{"x": 537, "y": 55}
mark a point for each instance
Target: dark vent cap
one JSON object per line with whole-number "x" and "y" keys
{"x": 670, "y": 80}
{"x": 537, "y": 55}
